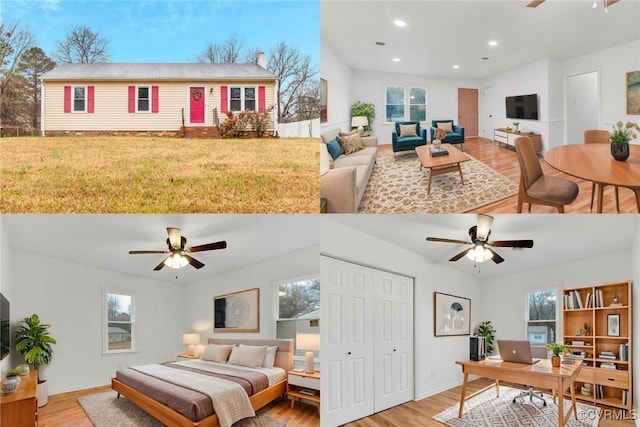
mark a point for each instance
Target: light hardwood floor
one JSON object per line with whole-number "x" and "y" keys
{"x": 505, "y": 161}
{"x": 420, "y": 413}
{"x": 63, "y": 410}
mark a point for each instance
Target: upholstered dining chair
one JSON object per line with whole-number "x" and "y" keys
{"x": 535, "y": 186}
{"x": 597, "y": 136}
{"x": 537, "y": 352}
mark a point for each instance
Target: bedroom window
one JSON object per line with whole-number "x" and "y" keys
{"x": 79, "y": 99}
{"x": 405, "y": 103}
{"x": 541, "y": 316}
{"x": 144, "y": 99}
{"x": 242, "y": 98}
{"x": 298, "y": 314}
{"x": 119, "y": 323}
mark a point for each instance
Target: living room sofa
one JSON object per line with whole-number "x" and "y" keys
{"x": 406, "y": 143}
{"x": 454, "y": 136}
{"x": 344, "y": 184}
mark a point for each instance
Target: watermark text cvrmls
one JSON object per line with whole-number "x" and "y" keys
{"x": 607, "y": 414}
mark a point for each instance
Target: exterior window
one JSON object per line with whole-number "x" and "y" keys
{"x": 406, "y": 104}
{"x": 541, "y": 316}
{"x": 242, "y": 98}
{"x": 79, "y": 99}
{"x": 298, "y": 308}
{"x": 144, "y": 99}
{"x": 119, "y": 322}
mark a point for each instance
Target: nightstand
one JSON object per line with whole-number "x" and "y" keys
{"x": 186, "y": 356}
{"x": 301, "y": 385}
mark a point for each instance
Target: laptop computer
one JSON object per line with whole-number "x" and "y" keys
{"x": 516, "y": 352}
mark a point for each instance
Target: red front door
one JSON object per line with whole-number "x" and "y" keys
{"x": 196, "y": 105}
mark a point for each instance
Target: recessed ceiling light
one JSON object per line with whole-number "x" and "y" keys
{"x": 396, "y": 59}
{"x": 381, "y": 43}
{"x": 456, "y": 66}
{"x": 400, "y": 23}
{"x": 493, "y": 43}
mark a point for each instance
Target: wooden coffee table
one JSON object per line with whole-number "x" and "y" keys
{"x": 441, "y": 164}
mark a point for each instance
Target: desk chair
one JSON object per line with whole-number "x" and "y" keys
{"x": 537, "y": 352}
{"x": 535, "y": 186}
{"x": 597, "y": 136}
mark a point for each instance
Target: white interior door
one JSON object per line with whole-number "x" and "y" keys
{"x": 393, "y": 340}
{"x": 583, "y": 105}
{"x": 347, "y": 341}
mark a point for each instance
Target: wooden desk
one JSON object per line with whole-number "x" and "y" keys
{"x": 540, "y": 374}
{"x": 441, "y": 164}
{"x": 20, "y": 408}
{"x": 593, "y": 162}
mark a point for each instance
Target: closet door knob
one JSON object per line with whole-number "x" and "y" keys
{"x": 394, "y": 349}
{"x": 349, "y": 354}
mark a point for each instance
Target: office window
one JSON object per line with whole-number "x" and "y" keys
{"x": 79, "y": 99}
{"x": 404, "y": 103}
{"x": 541, "y": 316}
{"x": 144, "y": 99}
{"x": 119, "y": 322}
{"x": 298, "y": 308}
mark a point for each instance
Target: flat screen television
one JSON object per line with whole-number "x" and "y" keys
{"x": 522, "y": 107}
{"x": 5, "y": 327}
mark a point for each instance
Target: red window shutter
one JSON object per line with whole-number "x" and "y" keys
{"x": 67, "y": 99}
{"x": 154, "y": 99}
{"x": 224, "y": 99}
{"x": 261, "y": 101}
{"x": 90, "y": 93}
{"x": 132, "y": 99}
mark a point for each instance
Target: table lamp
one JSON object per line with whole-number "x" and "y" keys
{"x": 308, "y": 342}
{"x": 359, "y": 122}
{"x": 191, "y": 340}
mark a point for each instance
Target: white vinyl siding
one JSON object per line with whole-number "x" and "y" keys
{"x": 111, "y": 106}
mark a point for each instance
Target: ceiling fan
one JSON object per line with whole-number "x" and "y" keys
{"x": 479, "y": 238}
{"x": 607, "y": 3}
{"x": 179, "y": 257}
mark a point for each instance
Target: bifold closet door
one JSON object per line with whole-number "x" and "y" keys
{"x": 392, "y": 340}
{"x": 347, "y": 341}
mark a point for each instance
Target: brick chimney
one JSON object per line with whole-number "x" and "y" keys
{"x": 262, "y": 60}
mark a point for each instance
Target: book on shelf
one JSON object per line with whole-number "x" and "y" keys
{"x": 625, "y": 397}
{"x": 577, "y": 342}
{"x": 599, "y": 394}
{"x": 589, "y": 300}
{"x": 578, "y": 299}
{"x": 617, "y": 304}
{"x": 608, "y": 365}
{"x": 604, "y": 356}
{"x": 624, "y": 352}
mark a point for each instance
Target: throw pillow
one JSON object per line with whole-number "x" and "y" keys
{"x": 408, "y": 130}
{"x": 351, "y": 144}
{"x": 335, "y": 149}
{"x": 353, "y": 132}
{"x": 216, "y": 353}
{"x": 269, "y": 357}
{"x": 446, "y": 126}
{"x": 247, "y": 355}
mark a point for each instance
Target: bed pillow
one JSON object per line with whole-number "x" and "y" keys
{"x": 216, "y": 353}
{"x": 247, "y": 355}
{"x": 269, "y": 357}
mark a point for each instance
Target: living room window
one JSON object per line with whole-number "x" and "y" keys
{"x": 405, "y": 103}
{"x": 144, "y": 99}
{"x": 242, "y": 98}
{"x": 79, "y": 99}
{"x": 119, "y": 322}
{"x": 541, "y": 316}
{"x": 298, "y": 313}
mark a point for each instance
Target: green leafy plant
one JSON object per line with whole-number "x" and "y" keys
{"x": 34, "y": 342}
{"x": 12, "y": 373}
{"x": 556, "y": 349}
{"x": 623, "y": 133}
{"x": 364, "y": 109}
{"x": 486, "y": 330}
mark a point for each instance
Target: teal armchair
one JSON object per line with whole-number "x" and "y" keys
{"x": 406, "y": 143}
{"x": 454, "y": 137}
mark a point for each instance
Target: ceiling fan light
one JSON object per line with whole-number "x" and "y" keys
{"x": 176, "y": 260}
{"x": 487, "y": 254}
{"x": 594, "y": 5}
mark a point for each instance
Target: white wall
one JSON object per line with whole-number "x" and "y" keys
{"x": 68, "y": 296}
{"x": 442, "y": 96}
{"x": 338, "y": 76}
{"x": 434, "y": 368}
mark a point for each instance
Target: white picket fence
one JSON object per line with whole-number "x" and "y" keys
{"x": 303, "y": 129}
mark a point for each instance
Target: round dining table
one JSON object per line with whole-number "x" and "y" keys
{"x": 593, "y": 162}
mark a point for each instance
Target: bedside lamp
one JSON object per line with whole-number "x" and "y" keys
{"x": 308, "y": 342}
{"x": 191, "y": 340}
{"x": 359, "y": 122}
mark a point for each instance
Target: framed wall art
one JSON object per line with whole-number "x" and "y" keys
{"x": 323, "y": 101}
{"x": 451, "y": 315}
{"x": 633, "y": 92}
{"x": 613, "y": 325}
{"x": 237, "y": 311}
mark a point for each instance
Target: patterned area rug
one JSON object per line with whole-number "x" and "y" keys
{"x": 401, "y": 187}
{"x": 488, "y": 410}
{"x": 104, "y": 410}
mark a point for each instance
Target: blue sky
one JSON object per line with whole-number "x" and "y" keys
{"x": 171, "y": 30}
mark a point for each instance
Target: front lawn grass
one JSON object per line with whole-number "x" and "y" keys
{"x": 158, "y": 175}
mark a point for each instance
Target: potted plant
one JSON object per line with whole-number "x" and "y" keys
{"x": 34, "y": 342}
{"x": 364, "y": 109}
{"x": 620, "y": 137}
{"x": 12, "y": 381}
{"x": 515, "y": 126}
{"x": 486, "y": 330}
{"x": 556, "y": 349}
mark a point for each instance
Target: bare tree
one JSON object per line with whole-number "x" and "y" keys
{"x": 82, "y": 46}
{"x": 32, "y": 65}
{"x": 227, "y": 52}
{"x": 210, "y": 55}
{"x": 251, "y": 56}
{"x": 295, "y": 73}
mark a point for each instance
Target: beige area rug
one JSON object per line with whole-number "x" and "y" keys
{"x": 401, "y": 187}
{"x": 105, "y": 410}
{"x": 488, "y": 410}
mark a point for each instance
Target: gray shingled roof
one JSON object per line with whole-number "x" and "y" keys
{"x": 192, "y": 72}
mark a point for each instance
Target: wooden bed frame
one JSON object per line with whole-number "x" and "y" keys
{"x": 166, "y": 415}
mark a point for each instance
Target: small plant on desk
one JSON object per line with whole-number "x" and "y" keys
{"x": 556, "y": 349}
